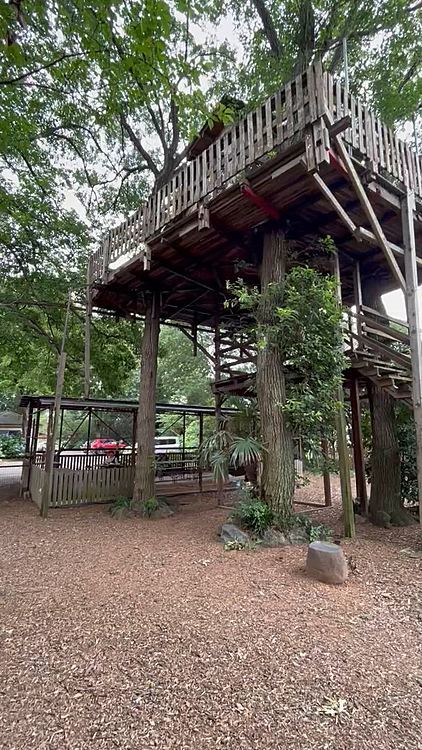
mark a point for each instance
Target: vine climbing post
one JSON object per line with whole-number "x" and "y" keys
{"x": 342, "y": 447}
{"x": 144, "y": 486}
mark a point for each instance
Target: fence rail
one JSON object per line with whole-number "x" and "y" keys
{"x": 82, "y": 479}
{"x": 258, "y": 135}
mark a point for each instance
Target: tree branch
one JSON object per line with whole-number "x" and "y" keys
{"x": 34, "y": 71}
{"x": 138, "y": 145}
{"x": 268, "y": 28}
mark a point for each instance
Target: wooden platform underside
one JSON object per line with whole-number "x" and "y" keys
{"x": 191, "y": 266}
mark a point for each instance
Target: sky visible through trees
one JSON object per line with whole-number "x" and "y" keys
{"x": 97, "y": 104}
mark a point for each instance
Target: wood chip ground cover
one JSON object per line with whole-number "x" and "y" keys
{"x": 136, "y": 634}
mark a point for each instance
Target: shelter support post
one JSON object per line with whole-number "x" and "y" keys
{"x": 326, "y": 473}
{"x": 343, "y": 450}
{"x": 201, "y": 440}
{"x": 358, "y": 453}
{"x": 53, "y": 426}
{"x": 218, "y": 401}
{"x": 414, "y": 320}
{"x": 29, "y": 426}
{"x": 54, "y": 419}
{"x": 144, "y": 486}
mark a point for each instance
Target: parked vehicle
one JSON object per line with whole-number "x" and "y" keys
{"x": 167, "y": 444}
{"x": 107, "y": 444}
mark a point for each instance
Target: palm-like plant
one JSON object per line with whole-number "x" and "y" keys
{"x": 223, "y": 450}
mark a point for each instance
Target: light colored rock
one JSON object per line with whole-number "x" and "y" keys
{"x": 298, "y": 536}
{"x": 229, "y": 533}
{"x": 274, "y": 538}
{"x": 327, "y": 562}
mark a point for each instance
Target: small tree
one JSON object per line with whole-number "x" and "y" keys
{"x": 296, "y": 322}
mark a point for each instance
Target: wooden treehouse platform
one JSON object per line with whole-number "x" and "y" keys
{"x": 312, "y": 160}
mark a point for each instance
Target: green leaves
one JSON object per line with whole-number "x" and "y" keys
{"x": 303, "y": 321}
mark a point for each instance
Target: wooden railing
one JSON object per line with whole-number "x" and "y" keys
{"x": 257, "y": 136}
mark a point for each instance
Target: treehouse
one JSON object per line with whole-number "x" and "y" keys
{"x": 312, "y": 161}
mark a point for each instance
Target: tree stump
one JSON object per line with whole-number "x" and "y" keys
{"x": 327, "y": 562}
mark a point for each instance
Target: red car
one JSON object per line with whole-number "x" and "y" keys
{"x": 107, "y": 444}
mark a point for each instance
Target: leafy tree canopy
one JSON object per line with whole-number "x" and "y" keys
{"x": 384, "y": 42}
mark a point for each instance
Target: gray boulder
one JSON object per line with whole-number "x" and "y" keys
{"x": 229, "y": 533}
{"x": 163, "y": 510}
{"x": 298, "y": 535}
{"x": 274, "y": 538}
{"x": 327, "y": 562}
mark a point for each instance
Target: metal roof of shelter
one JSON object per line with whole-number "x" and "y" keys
{"x": 82, "y": 404}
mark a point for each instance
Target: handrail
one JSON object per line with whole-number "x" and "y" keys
{"x": 258, "y": 135}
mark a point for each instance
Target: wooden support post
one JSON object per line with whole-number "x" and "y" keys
{"x": 358, "y": 453}
{"x": 27, "y": 457}
{"x": 218, "y": 401}
{"x": 358, "y": 296}
{"x": 184, "y": 436}
{"x": 144, "y": 486}
{"x": 54, "y": 422}
{"x": 88, "y": 440}
{"x": 201, "y": 440}
{"x": 415, "y": 332}
{"x": 134, "y": 432}
{"x": 326, "y": 473}
{"x": 342, "y": 447}
{"x": 88, "y": 314}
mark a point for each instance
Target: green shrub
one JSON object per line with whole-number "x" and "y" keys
{"x": 150, "y": 506}
{"x": 315, "y": 532}
{"x": 11, "y": 446}
{"x": 120, "y": 504}
{"x": 254, "y": 515}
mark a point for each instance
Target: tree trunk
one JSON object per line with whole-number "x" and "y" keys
{"x": 385, "y": 504}
{"x": 144, "y": 487}
{"x": 277, "y": 479}
{"x": 385, "y": 460}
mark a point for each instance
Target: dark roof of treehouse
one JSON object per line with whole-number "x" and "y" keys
{"x": 202, "y": 229}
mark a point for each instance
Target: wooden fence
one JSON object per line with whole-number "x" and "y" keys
{"x": 78, "y": 482}
{"x": 257, "y": 136}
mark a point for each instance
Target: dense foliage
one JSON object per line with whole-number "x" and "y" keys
{"x": 306, "y": 329}
{"x": 97, "y": 103}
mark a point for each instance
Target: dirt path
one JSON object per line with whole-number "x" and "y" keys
{"x": 136, "y": 635}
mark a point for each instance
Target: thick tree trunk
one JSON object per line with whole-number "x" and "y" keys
{"x": 144, "y": 487}
{"x": 385, "y": 504}
{"x": 277, "y": 479}
{"x": 385, "y": 461}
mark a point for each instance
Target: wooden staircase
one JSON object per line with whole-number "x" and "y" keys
{"x": 376, "y": 346}
{"x": 379, "y": 351}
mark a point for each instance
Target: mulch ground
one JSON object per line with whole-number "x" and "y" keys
{"x": 136, "y": 634}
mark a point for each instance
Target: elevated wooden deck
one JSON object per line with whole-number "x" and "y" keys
{"x": 199, "y": 231}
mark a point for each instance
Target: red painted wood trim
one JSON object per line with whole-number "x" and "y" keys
{"x": 261, "y": 202}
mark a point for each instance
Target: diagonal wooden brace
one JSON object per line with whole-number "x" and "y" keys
{"x": 366, "y": 205}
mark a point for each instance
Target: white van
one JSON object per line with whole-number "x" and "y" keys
{"x": 167, "y": 444}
